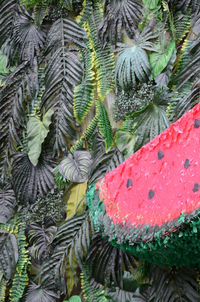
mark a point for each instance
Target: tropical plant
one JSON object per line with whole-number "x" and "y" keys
{"x": 83, "y": 85}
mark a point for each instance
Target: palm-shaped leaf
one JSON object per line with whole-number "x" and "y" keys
{"x": 40, "y": 237}
{"x": 27, "y": 40}
{"x": 132, "y": 66}
{"x": 63, "y": 73}
{"x": 29, "y": 180}
{"x": 7, "y": 202}
{"x": 108, "y": 262}
{"x": 72, "y": 239}
{"x": 118, "y": 13}
{"x": 76, "y": 167}
{"x": 36, "y": 293}
{"x": 8, "y": 253}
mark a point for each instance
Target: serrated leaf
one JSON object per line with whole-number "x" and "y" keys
{"x": 75, "y": 201}
{"x": 37, "y": 131}
{"x": 76, "y": 167}
{"x": 104, "y": 125}
{"x": 125, "y": 142}
{"x": 159, "y": 60}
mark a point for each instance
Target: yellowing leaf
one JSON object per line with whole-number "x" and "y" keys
{"x": 76, "y": 201}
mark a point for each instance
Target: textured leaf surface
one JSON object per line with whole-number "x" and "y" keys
{"x": 76, "y": 200}
{"x": 37, "y": 131}
{"x": 76, "y": 166}
{"x": 104, "y": 125}
{"x": 132, "y": 65}
{"x": 8, "y": 253}
{"x": 7, "y": 203}
{"x": 38, "y": 294}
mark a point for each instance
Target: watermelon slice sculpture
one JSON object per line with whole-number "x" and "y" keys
{"x": 150, "y": 204}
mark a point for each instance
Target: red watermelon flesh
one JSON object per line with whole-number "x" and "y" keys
{"x": 161, "y": 180}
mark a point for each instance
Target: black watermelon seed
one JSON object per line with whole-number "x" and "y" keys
{"x": 187, "y": 163}
{"x": 129, "y": 183}
{"x": 160, "y": 154}
{"x": 196, "y": 123}
{"x": 151, "y": 194}
{"x": 196, "y": 188}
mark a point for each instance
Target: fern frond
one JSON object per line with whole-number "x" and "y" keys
{"x": 92, "y": 291}
{"x": 86, "y": 12}
{"x": 3, "y": 287}
{"x": 86, "y": 135}
{"x": 20, "y": 279}
{"x": 104, "y": 59}
{"x": 182, "y": 25}
{"x": 84, "y": 93}
{"x": 104, "y": 125}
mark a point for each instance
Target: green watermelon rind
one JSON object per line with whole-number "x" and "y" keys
{"x": 173, "y": 243}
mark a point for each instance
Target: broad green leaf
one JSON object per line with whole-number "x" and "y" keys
{"x": 151, "y": 4}
{"x": 76, "y": 166}
{"x": 37, "y": 131}
{"x": 159, "y": 60}
{"x": 125, "y": 142}
{"x": 75, "y": 201}
{"x": 104, "y": 125}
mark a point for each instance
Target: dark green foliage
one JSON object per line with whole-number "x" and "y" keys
{"x": 92, "y": 290}
{"x": 133, "y": 64}
{"x": 20, "y": 84}
{"x": 40, "y": 236}
{"x": 20, "y": 279}
{"x": 136, "y": 99}
{"x": 107, "y": 262}
{"x": 8, "y": 253}
{"x": 171, "y": 284}
{"x": 84, "y": 93}
{"x": 29, "y": 181}
{"x": 104, "y": 125}
{"x": 118, "y": 13}
{"x": 52, "y": 204}
{"x": 26, "y": 41}
{"x": 36, "y": 293}
{"x": 7, "y": 202}
{"x": 104, "y": 60}
{"x": 63, "y": 73}
{"x": 70, "y": 245}
{"x": 102, "y": 161}
{"x": 7, "y": 17}
{"x": 60, "y": 59}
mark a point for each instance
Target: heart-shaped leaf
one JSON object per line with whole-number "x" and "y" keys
{"x": 37, "y": 131}
{"x": 76, "y": 167}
